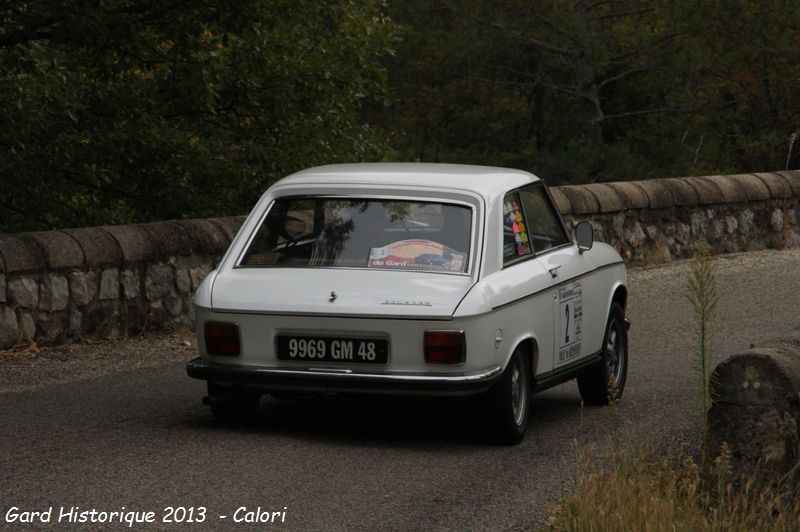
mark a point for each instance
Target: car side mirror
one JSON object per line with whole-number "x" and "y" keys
{"x": 584, "y": 235}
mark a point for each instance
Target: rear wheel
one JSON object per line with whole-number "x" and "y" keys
{"x": 507, "y": 402}
{"x": 232, "y": 403}
{"x": 605, "y": 381}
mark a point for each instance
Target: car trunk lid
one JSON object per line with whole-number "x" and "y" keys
{"x": 346, "y": 292}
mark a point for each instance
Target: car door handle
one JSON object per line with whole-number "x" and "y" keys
{"x": 554, "y": 271}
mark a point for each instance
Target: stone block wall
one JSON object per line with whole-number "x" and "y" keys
{"x": 106, "y": 282}
{"x": 662, "y": 219}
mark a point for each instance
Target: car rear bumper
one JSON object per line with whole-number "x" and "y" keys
{"x": 326, "y": 381}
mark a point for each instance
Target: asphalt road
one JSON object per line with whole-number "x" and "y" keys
{"x": 119, "y": 424}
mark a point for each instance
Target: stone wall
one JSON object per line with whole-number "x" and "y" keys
{"x": 662, "y": 219}
{"x": 106, "y": 282}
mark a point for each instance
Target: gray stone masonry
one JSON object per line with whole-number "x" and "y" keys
{"x": 102, "y": 282}
{"x": 54, "y": 293}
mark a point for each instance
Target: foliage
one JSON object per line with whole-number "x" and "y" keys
{"x": 596, "y": 91}
{"x": 129, "y": 110}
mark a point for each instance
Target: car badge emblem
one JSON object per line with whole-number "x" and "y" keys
{"x": 332, "y": 297}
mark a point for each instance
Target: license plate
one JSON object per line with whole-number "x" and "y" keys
{"x": 333, "y": 349}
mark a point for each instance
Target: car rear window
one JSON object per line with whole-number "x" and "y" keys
{"x": 362, "y": 233}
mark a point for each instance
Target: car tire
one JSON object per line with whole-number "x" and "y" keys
{"x": 508, "y": 401}
{"x": 232, "y": 403}
{"x": 595, "y": 384}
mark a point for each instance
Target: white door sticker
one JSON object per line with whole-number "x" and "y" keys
{"x": 570, "y": 303}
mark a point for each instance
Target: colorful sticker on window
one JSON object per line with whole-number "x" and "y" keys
{"x": 417, "y": 255}
{"x": 512, "y": 215}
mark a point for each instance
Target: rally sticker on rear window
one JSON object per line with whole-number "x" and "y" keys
{"x": 417, "y": 255}
{"x": 570, "y": 305}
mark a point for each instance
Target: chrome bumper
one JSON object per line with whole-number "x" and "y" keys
{"x": 331, "y": 380}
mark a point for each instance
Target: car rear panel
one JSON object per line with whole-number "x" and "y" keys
{"x": 405, "y": 336}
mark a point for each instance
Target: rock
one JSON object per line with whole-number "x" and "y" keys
{"x": 27, "y": 328}
{"x": 615, "y": 228}
{"x": 731, "y": 225}
{"x": 776, "y": 220}
{"x": 716, "y": 230}
{"x": 109, "y": 284}
{"x": 197, "y": 275}
{"x": 746, "y": 220}
{"x": 2, "y": 288}
{"x": 75, "y": 322}
{"x": 183, "y": 281}
{"x": 54, "y": 293}
{"x": 83, "y": 287}
{"x": 683, "y": 234}
{"x": 130, "y": 284}
{"x": 698, "y": 223}
{"x": 50, "y": 328}
{"x": 634, "y": 235}
{"x": 9, "y": 328}
{"x": 173, "y": 305}
{"x": 159, "y": 281}
{"x": 756, "y": 411}
{"x": 24, "y": 291}
{"x": 791, "y": 219}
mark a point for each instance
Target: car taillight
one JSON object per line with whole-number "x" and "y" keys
{"x": 222, "y": 339}
{"x": 444, "y": 347}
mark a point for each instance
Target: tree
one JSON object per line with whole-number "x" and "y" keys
{"x": 131, "y": 110}
{"x": 595, "y": 90}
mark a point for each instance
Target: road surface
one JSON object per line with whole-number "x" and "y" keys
{"x": 118, "y": 424}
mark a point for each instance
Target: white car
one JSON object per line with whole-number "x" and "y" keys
{"x": 412, "y": 278}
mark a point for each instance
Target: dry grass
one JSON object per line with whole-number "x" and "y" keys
{"x": 654, "y": 492}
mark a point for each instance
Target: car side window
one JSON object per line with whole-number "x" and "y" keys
{"x": 515, "y": 234}
{"x": 544, "y": 229}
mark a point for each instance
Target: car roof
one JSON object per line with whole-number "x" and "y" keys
{"x": 487, "y": 181}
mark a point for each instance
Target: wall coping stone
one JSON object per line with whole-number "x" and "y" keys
{"x": 632, "y": 195}
{"x": 136, "y": 243}
{"x": 658, "y": 195}
{"x": 562, "y": 201}
{"x": 581, "y": 199}
{"x": 20, "y": 253}
{"x": 59, "y": 249}
{"x": 230, "y": 226}
{"x": 169, "y": 237}
{"x": 755, "y": 188}
{"x": 682, "y": 192}
{"x": 98, "y": 246}
{"x": 708, "y": 192}
{"x": 732, "y": 192}
{"x": 607, "y": 198}
{"x": 793, "y": 179}
{"x": 778, "y": 187}
{"x": 207, "y": 237}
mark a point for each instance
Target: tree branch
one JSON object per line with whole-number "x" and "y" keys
{"x": 616, "y": 14}
{"x": 536, "y": 42}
